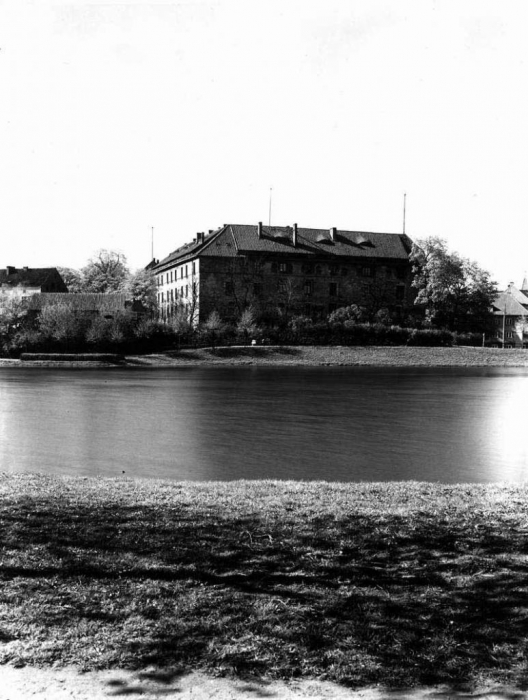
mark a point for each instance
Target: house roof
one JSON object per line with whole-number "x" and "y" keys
{"x": 511, "y": 304}
{"x": 115, "y": 301}
{"x": 27, "y": 276}
{"x": 237, "y": 239}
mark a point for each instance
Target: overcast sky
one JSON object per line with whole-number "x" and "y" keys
{"x": 121, "y": 116}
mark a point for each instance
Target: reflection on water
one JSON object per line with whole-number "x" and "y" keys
{"x": 347, "y": 424}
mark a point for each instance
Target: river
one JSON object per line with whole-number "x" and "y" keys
{"x": 332, "y": 423}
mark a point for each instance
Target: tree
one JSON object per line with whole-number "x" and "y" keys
{"x": 72, "y": 279}
{"x": 247, "y": 324}
{"x": 141, "y": 286}
{"x": 13, "y": 318}
{"x": 60, "y": 323}
{"x": 213, "y": 326}
{"x": 455, "y": 292}
{"x": 106, "y": 272}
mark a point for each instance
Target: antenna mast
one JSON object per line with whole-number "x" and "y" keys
{"x": 269, "y": 215}
{"x": 404, "y": 201}
{"x": 152, "y": 242}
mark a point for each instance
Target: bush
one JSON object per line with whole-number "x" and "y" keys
{"x": 430, "y": 337}
{"x": 60, "y": 324}
{"x": 468, "y": 339}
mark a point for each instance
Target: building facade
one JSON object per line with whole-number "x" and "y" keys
{"x": 284, "y": 270}
{"x": 510, "y": 312}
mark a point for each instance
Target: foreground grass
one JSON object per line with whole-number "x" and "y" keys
{"x": 399, "y": 584}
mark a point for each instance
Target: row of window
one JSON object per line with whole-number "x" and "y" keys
{"x": 173, "y": 294}
{"x": 172, "y": 276}
{"x": 308, "y": 289}
{"x": 509, "y": 321}
{"x": 335, "y": 270}
{"x": 288, "y": 268}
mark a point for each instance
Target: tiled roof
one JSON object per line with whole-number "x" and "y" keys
{"x": 112, "y": 302}
{"x": 507, "y": 304}
{"x": 188, "y": 250}
{"x": 26, "y": 277}
{"x": 233, "y": 239}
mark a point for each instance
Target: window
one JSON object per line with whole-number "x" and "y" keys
{"x": 285, "y": 267}
{"x": 334, "y": 270}
{"x": 186, "y": 271}
{"x": 181, "y": 272}
{"x": 400, "y": 273}
{"x": 282, "y": 286}
{"x": 194, "y": 268}
{"x": 509, "y": 334}
{"x": 344, "y": 271}
{"x": 186, "y": 291}
{"x": 274, "y": 267}
{"x": 172, "y": 295}
{"x": 162, "y": 297}
{"x": 509, "y": 321}
{"x": 308, "y": 287}
{"x": 332, "y": 289}
{"x": 171, "y": 276}
{"x": 367, "y": 271}
{"x": 318, "y": 269}
{"x": 307, "y": 269}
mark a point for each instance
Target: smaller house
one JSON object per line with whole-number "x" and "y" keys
{"x": 25, "y": 282}
{"x": 510, "y": 311}
{"x": 88, "y": 304}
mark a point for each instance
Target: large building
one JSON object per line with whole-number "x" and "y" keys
{"x": 281, "y": 270}
{"x": 510, "y": 312}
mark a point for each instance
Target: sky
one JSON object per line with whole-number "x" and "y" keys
{"x": 124, "y": 124}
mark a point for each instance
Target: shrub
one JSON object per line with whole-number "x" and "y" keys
{"x": 60, "y": 323}
{"x": 430, "y": 337}
{"x": 468, "y": 339}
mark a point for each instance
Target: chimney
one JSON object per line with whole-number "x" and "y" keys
{"x": 294, "y": 236}
{"x": 200, "y": 237}
{"x": 259, "y": 229}
{"x": 333, "y": 233}
{"x": 10, "y": 270}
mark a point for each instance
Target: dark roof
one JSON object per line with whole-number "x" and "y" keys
{"x": 27, "y": 276}
{"x": 115, "y": 301}
{"x": 234, "y": 239}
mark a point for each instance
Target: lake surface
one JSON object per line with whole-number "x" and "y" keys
{"x": 347, "y": 424}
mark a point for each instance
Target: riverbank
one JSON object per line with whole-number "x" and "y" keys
{"x": 392, "y": 585}
{"x": 311, "y": 355}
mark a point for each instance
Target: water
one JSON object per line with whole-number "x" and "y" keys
{"x": 346, "y": 424}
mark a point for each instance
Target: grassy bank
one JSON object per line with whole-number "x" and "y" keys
{"x": 399, "y": 584}
{"x": 339, "y": 355}
{"x": 398, "y": 356}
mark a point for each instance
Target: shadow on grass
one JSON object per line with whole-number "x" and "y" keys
{"x": 233, "y": 352}
{"x": 358, "y": 601}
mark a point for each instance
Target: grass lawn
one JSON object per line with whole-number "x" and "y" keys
{"x": 400, "y": 584}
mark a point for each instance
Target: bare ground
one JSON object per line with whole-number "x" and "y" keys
{"x": 68, "y": 684}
